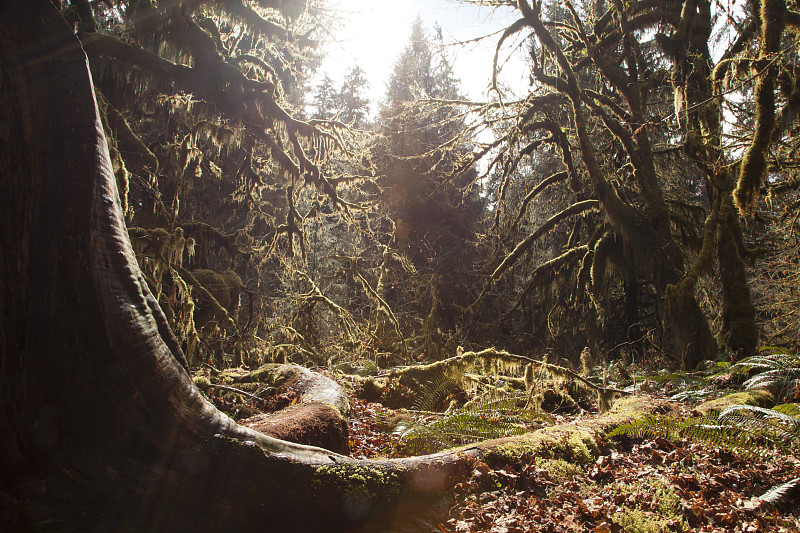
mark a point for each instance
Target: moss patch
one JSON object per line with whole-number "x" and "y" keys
{"x": 356, "y": 479}
{"x": 362, "y": 487}
{"x": 567, "y": 442}
{"x": 651, "y": 506}
{"x": 202, "y": 382}
{"x": 271, "y": 374}
{"x": 757, "y": 398}
{"x": 639, "y": 521}
{"x": 559, "y": 470}
{"x": 574, "y": 443}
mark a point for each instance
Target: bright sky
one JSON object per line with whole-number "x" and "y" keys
{"x": 377, "y": 31}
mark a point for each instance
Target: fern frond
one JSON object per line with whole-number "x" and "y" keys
{"x": 778, "y": 494}
{"x": 751, "y": 411}
{"x": 779, "y": 372}
{"x": 783, "y": 378}
{"x": 744, "y": 430}
{"x": 791, "y": 409}
{"x": 720, "y": 434}
{"x": 435, "y": 391}
{"x": 773, "y": 361}
{"x": 650, "y": 426}
{"x": 486, "y": 418}
{"x": 778, "y": 429}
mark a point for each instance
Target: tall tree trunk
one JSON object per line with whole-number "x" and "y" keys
{"x": 695, "y": 94}
{"x": 739, "y": 331}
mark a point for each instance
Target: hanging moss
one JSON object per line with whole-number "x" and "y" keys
{"x": 218, "y": 296}
{"x": 117, "y": 163}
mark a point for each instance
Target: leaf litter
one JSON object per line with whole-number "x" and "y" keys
{"x": 638, "y": 485}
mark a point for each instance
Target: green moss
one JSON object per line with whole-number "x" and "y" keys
{"x": 271, "y": 374}
{"x": 568, "y": 443}
{"x": 574, "y": 444}
{"x": 657, "y": 509}
{"x": 666, "y": 497}
{"x": 359, "y": 482}
{"x": 558, "y": 469}
{"x": 638, "y": 521}
{"x": 202, "y": 382}
{"x": 227, "y": 377}
{"x": 756, "y": 397}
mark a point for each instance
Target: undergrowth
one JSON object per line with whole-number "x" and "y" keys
{"x": 745, "y": 430}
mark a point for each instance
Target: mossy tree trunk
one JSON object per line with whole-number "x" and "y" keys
{"x": 739, "y": 331}
{"x": 697, "y": 91}
{"x": 645, "y": 227}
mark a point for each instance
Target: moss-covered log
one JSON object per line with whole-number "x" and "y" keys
{"x": 579, "y": 443}
{"x": 755, "y": 397}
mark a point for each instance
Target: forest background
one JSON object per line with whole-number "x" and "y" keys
{"x": 634, "y": 207}
{"x": 596, "y": 211}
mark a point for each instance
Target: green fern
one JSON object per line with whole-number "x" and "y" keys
{"x": 791, "y": 409}
{"x": 435, "y": 392}
{"x": 745, "y": 430}
{"x": 648, "y": 427}
{"x": 486, "y": 418}
{"x": 778, "y": 494}
{"x": 706, "y": 429}
{"x": 777, "y": 370}
{"x": 777, "y": 428}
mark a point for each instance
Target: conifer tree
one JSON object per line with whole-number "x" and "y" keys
{"x": 433, "y": 225}
{"x": 354, "y": 103}
{"x": 325, "y": 99}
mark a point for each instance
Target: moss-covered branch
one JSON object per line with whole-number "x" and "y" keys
{"x": 546, "y": 272}
{"x": 621, "y": 215}
{"x": 383, "y": 307}
{"x": 219, "y": 311}
{"x": 703, "y": 260}
{"x": 753, "y": 167}
{"x": 99, "y": 45}
{"x": 541, "y": 186}
{"x": 548, "y": 225}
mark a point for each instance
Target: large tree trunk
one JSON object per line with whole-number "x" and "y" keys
{"x": 101, "y": 426}
{"x": 739, "y": 331}
{"x": 695, "y": 93}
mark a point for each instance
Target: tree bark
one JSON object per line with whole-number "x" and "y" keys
{"x": 739, "y": 332}
{"x": 696, "y": 87}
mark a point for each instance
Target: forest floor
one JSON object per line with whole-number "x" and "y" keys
{"x": 636, "y": 486}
